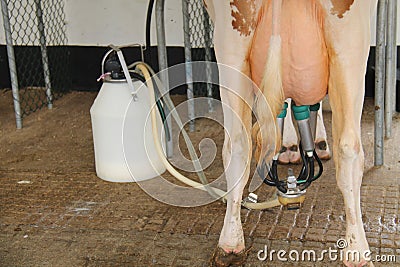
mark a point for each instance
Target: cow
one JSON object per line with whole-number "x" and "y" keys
{"x": 298, "y": 49}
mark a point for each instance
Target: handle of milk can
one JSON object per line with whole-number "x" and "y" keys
{"x": 115, "y": 48}
{"x": 123, "y": 65}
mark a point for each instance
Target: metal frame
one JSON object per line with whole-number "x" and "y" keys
{"x": 43, "y": 49}
{"x": 391, "y": 60}
{"x": 188, "y": 67}
{"x": 188, "y": 59}
{"x": 379, "y": 81}
{"x": 385, "y": 75}
{"x": 163, "y": 63}
{"x": 12, "y": 61}
{"x": 207, "y": 42}
{"x": 12, "y": 64}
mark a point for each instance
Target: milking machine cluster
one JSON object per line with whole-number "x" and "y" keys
{"x": 291, "y": 192}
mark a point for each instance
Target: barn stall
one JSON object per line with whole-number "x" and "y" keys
{"x": 56, "y": 211}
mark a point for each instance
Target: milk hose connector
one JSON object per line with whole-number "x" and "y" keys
{"x": 292, "y": 191}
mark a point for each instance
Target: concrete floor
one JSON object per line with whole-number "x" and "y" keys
{"x": 54, "y": 211}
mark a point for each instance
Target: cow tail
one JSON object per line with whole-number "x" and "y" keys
{"x": 270, "y": 98}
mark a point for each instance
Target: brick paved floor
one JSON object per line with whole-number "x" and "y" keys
{"x": 54, "y": 211}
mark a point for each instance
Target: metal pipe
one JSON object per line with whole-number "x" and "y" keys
{"x": 313, "y": 124}
{"x": 281, "y": 126}
{"x": 188, "y": 65}
{"x": 12, "y": 64}
{"x": 393, "y": 36}
{"x": 163, "y": 63}
{"x": 207, "y": 48}
{"x": 379, "y": 82}
{"x": 43, "y": 49}
{"x": 390, "y": 77}
{"x": 313, "y": 119}
{"x": 306, "y": 136}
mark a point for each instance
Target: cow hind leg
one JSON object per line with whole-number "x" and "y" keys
{"x": 237, "y": 91}
{"x": 349, "y": 163}
{"x": 348, "y": 38}
{"x": 237, "y": 95}
{"x": 349, "y": 160}
{"x": 236, "y": 158}
{"x": 346, "y": 94}
{"x": 349, "y": 41}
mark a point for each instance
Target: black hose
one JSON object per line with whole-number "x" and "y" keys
{"x": 310, "y": 161}
{"x": 312, "y": 170}
{"x": 306, "y": 176}
{"x": 304, "y": 169}
{"x": 158, "y": 103}
{"x": 137, "y": 76}
{"x": 273, "y": 174}
{"x": 320, "y": 166}
{"x": 265, "y": 177}
{"x": 148, "y": 31}
{"x": 261, "y": 173}
{"x": 165, "y": 109}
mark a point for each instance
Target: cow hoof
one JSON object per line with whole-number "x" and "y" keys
{"x": 221, "y": 258}
{"x": 289, "y": 155}
{"x": 284, "y": 156}
{"x": 322, "y": 149}
{"x": 295, "y": 157}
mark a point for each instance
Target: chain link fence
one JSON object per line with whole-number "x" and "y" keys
{"x": 37, "y": 52}
{"x": 198, "y": 32}
{"x": 198, "y": 36}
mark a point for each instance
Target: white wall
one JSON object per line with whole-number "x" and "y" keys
{"x": 101, "y": 22}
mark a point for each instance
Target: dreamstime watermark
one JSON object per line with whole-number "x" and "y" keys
{"x": 336, "y": 253}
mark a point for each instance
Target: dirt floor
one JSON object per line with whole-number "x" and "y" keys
{"x": 55, "y": 211}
